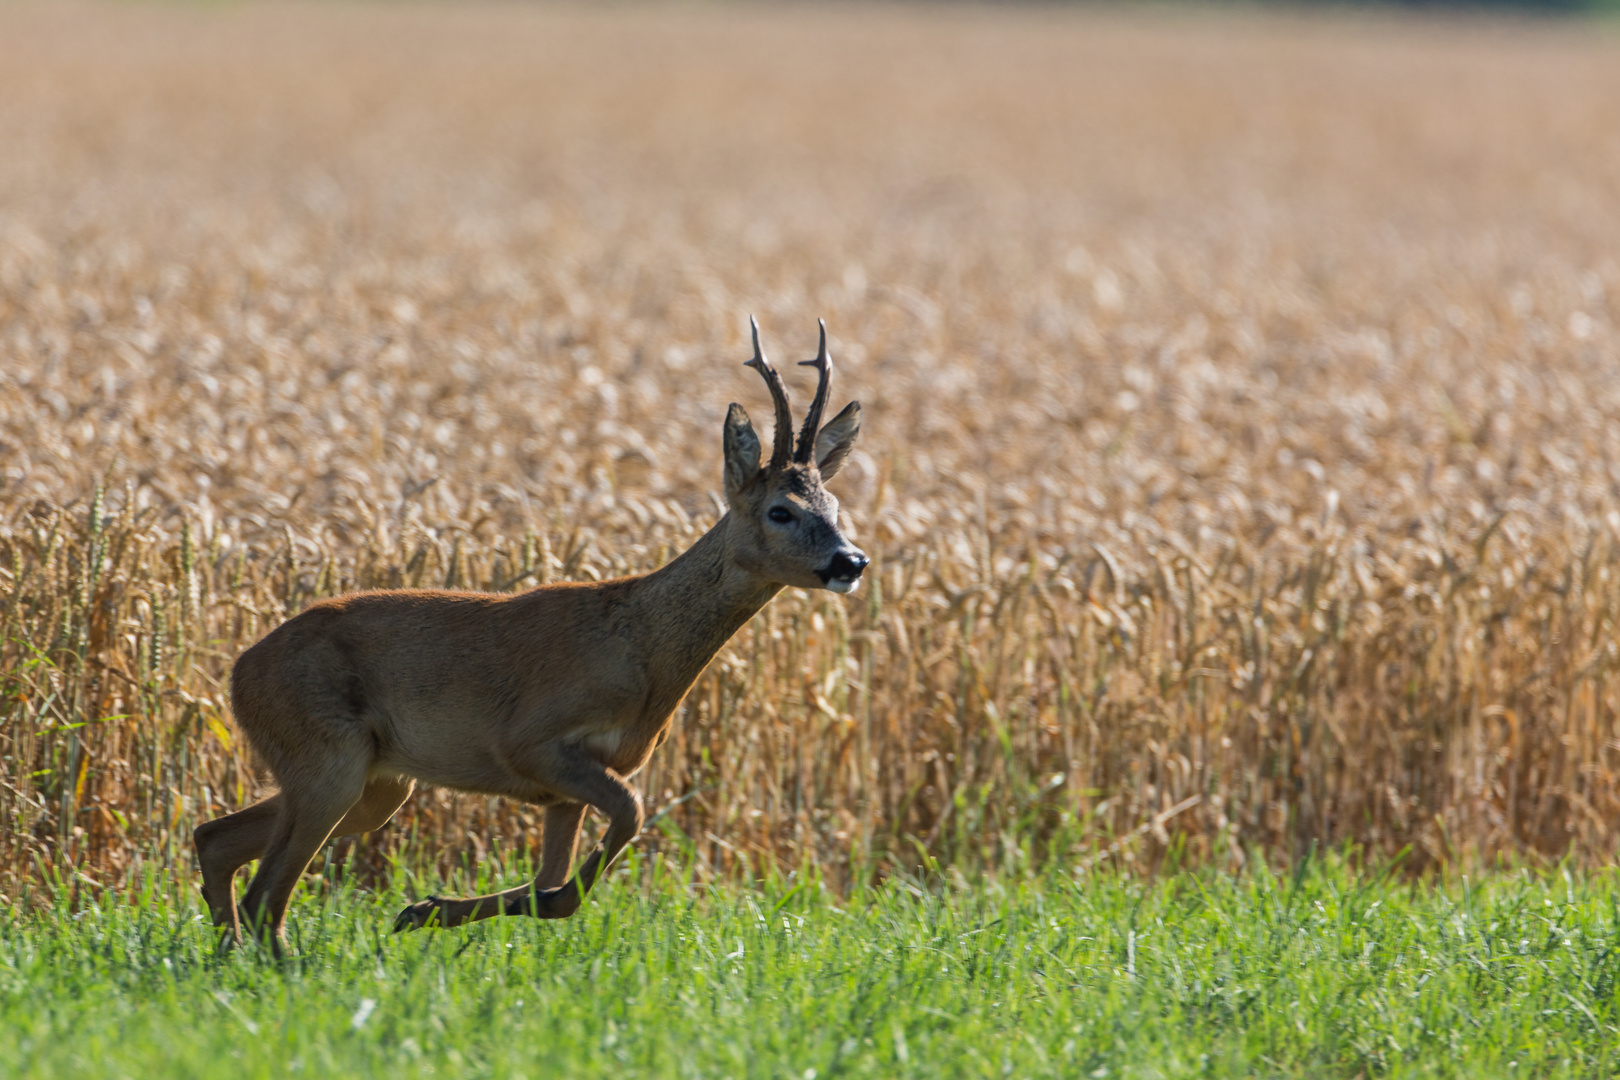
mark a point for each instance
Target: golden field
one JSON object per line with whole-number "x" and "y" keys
{"x": 1241, "y": 462}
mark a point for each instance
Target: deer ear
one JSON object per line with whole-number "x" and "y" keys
{"x": 837, "y": 439}
{"x": 741, "y": 449}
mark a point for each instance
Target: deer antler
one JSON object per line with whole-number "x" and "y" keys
{"x": 812, "y": 419}
{"x": 782, "y": 446}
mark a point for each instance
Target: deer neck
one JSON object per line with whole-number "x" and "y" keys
{"x": 689, "y": 608}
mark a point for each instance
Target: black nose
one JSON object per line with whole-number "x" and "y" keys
{"x": 845, "y": 566}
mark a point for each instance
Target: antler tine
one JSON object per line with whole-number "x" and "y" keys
{"x": 812, "y": 419}
{"x": 782, "y": 446}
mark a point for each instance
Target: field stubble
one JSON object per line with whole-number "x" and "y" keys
{"x": 1240, "y": 460}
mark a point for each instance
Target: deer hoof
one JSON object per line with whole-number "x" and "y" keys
{"x": 418, "y": 915}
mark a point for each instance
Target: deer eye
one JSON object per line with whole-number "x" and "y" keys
{"x": 779, "y": 515}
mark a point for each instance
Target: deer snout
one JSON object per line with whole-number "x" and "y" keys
{"x": 844, "y": 572}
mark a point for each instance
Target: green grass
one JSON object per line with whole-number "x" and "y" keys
{"x": 1317, "y": 974}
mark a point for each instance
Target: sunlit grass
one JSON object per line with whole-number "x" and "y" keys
{"x": 1321, "y": 973}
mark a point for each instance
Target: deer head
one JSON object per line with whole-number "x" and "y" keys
{"x": 784, "y": 521}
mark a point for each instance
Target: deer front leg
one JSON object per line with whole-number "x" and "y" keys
{"x": 557, "y": 858}
{"x": 557, "y": 769}
{"x": 558, "y": 844}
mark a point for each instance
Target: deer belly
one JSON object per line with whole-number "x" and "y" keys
{"x": 442, "y": 754}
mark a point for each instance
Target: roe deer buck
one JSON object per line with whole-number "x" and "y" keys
{"x": 555, "y": 696}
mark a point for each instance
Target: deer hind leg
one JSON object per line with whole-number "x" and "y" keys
{"x": 557, "y": 769}
{"x": 227, "y": 844}
{"x": 310, "y": 810}
{"x": 224, "y": 846}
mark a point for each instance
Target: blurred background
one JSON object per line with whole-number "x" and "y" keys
{"x": 1240, "y": 459}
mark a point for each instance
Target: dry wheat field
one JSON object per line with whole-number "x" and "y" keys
{"x": 1243, "y": 411}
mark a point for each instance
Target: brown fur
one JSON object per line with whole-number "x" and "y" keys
{"x": 555, "y": 696}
